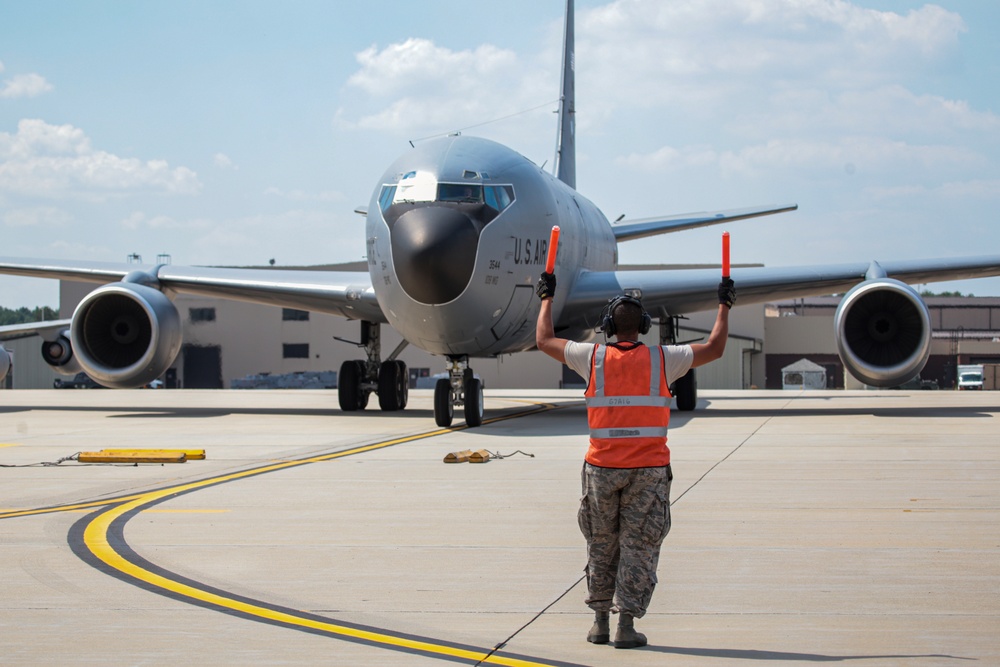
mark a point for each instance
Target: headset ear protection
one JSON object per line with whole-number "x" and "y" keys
{"x": 608, "y": 321}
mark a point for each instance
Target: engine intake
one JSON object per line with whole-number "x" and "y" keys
{"x": 883, "y": 332}
{"x": 126, "y": 335}
{"x": 57, "y": 352}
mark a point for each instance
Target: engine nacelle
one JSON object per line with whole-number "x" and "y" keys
{"x": 883, "y": 332}
{"x": 58, "y": 354}
{"x": 126, "y": 335}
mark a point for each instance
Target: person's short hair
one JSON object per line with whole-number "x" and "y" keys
{"x": 627, "y": 316}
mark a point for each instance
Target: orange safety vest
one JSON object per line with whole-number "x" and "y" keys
{"x": 628, "y": 407}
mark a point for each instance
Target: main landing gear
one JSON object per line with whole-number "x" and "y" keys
{"x": 460, "y": 388}
{"x": 359, "y": 378}
{"x": 685, "y": 388}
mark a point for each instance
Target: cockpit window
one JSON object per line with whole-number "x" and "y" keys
{"x": 419, "y": 189}
{"x": 491, "y": 198}
{"x": 499, "y": 197}
{"x": 504, "y": 194}
{"x": 386, "y": 196}
{"x": 465, "y": 193}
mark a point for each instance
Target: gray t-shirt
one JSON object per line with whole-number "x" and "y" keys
{"x": 677, "y": 359}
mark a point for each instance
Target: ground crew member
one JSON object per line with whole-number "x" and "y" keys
{"x": 625, "y": 509}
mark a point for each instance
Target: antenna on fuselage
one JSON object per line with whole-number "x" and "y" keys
{"x": 565, "y": 164}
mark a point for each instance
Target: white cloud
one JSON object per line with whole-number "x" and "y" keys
{"x": 223, "y": 161}
{"x": 863, "y": 155}
{"x": 55, "y": 161}
{"x": 728, "y": 62}
{"x": 416, "y": 63}
{"x": 24, "y": 85}
{"x": 38, "y": 216}
{"x": 303, "y": 196}
{"x": 889, "y": 110}
{"x": 652, "y": 51}
{"x": 137, "y": 220}
{"x": 416, "y": 86}
{"x": 981, "y": 189}
{"x": 670, "y": 159}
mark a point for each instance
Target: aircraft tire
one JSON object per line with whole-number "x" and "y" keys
{"x": 444, "y": 410}
{"x": 349, "y": 392}
{"x": 686, "y": 391}
{"x": 393, "y": 386}
{"x": 473, "y": 402}
{"x": 404, "y": 384}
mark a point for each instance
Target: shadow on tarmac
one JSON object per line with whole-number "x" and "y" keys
{"x": 916, "y": 412}
{"x": 678, "y": 419}
{"x": 782, "y": 656}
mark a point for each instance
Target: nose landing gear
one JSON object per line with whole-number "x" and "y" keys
{"x": 462, "y": 387}
{"x": 359, "y": 378}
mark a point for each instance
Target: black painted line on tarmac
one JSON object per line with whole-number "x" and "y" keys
{"x": 70, "y": 507}
{"x": 98, "y": 539}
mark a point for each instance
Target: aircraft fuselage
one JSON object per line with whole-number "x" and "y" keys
{"x": 457, "y": 234}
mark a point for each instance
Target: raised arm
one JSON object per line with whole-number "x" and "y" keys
{"x": 545, "y": 337}
{"x": 715, "y": 346}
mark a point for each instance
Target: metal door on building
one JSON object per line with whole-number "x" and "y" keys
{"x": 202, "y": 367}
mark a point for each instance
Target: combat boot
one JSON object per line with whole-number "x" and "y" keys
{"x": 627, "y": 637}
{"x": 600, "y": 633}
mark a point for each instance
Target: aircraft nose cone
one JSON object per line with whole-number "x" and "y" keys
{"x": 434, "y": 252}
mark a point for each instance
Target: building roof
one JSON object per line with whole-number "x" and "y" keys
{"x": 803, "y": 366}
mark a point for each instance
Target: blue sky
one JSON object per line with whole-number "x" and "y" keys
{"x": 225, "y": 133}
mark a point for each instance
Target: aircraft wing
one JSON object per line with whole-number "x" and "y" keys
{"x": 15, "y": 331}
{"x": 637, "y": 229}
{"x": 345, "y": 293}
{"x": 665, "y": 292}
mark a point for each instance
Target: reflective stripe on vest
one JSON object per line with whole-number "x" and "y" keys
{"x": 628, "y": 423}
{"x": 641, "y": 432}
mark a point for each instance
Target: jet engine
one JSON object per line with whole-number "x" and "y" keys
{"x": 58, "y": 354}
{"x": 125, "y": 334}
{"x": 883, "y": 332}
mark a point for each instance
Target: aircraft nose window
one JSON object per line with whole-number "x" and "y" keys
{"x": 497, "y": 197}
{"x": 387, "y": 195}
{"x": 465, "y": 193}
{"x": 480, "y": 202}
{"x": 502, "y": 196}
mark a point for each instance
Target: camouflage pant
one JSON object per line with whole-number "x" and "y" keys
{"x": 624, "y": 514}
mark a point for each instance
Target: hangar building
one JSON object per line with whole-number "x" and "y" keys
{"x": 229, "y": 343}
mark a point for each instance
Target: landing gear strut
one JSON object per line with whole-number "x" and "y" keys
{"x": 460, "y": 388}
{"x": 359, "y": 378}
{"x": 685, "y": 388}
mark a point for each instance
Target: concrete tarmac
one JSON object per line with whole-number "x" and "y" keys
{"x": 808, "y": 527}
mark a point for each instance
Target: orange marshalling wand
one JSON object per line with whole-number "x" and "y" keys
{"x": 725, "y": 254}
{"x": 550, "y": 264}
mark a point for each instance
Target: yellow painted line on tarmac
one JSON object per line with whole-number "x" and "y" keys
{"x": 169, "y": 511}
{"x": 75, "y": 507}
{"x": 95, "y": 538}
{"x": 9, "y": 444}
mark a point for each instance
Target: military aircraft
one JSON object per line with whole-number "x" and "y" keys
{"x": 457, "y": 231}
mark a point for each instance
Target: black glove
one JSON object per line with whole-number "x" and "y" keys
{"x": 727, "y": 292}
{"x": 546, "y": 286}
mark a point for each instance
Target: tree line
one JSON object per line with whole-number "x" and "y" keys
{"x": 24, "y": 315}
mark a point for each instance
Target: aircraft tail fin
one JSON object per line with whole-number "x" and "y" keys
{"x": 565, "y": 163}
